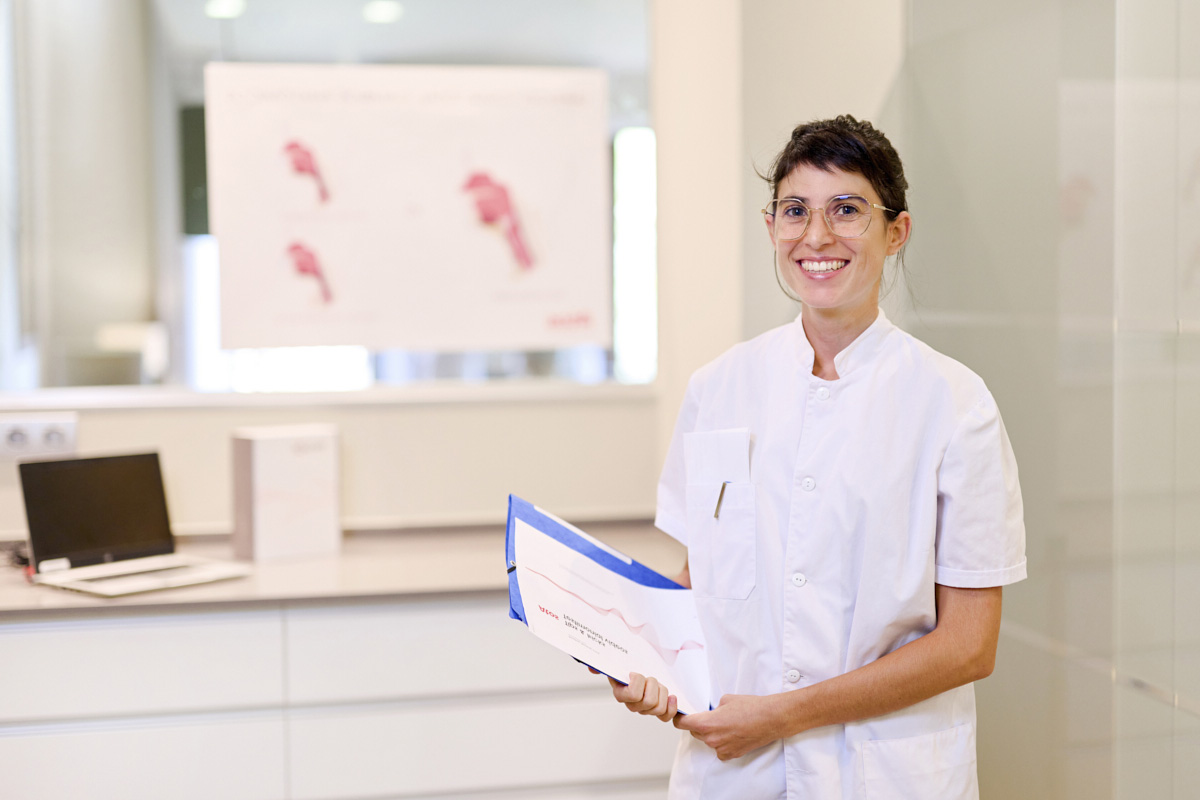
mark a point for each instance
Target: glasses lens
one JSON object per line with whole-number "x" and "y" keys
{"x": 848, "y": 215}
{"x": 791, "y": 218}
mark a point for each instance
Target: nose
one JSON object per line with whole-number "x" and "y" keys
{"x": 818, "y": 234}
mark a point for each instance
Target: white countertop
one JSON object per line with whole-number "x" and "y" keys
{"x": 372, "y": 565}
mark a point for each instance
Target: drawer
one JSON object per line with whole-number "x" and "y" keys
{"x": 232, "y": 757}
{"x": 618, "y": 790}
{"x": 136, "y": 665}
{"x": 419, "y": 749}
{"x": 435, "y": 648}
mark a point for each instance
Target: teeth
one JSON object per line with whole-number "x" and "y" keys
{"x": 822, "y": 266}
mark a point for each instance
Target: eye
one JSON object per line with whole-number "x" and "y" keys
{"x": 847, "y": 208}
{"x": 792, "y": 210}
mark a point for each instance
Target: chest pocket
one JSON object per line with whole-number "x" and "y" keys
{"x": 722, "y": 547}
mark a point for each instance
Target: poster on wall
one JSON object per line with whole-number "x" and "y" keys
{"x": 412, "y": 207}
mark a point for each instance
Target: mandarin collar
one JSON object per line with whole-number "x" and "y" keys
{"x": 858, "y": 352}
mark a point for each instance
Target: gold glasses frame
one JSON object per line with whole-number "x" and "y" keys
{"x": 769, "y": 211}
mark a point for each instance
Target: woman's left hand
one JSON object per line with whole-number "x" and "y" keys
{"x": 739, "y": 724}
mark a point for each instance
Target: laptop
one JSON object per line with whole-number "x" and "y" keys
{"x": 100, "y": 525}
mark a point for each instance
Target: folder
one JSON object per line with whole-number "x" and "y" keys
{"x": 603, "y": 608}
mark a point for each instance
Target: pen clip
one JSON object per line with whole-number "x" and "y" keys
{"x": 513, "y": 565}
{"x": 720, "y": 497}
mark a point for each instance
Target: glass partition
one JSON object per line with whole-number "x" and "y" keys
{"x": 1054, "y": 155}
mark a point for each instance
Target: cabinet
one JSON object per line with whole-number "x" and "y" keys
{"x": 396, "y": 697}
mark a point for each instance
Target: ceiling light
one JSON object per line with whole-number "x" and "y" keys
{"x": 225, "y": 9}
{"x": 382, "y": 11}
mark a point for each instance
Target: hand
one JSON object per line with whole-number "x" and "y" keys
{"x": 645, "y": 696}
{"x": 741, "y": 723}
{"x": 684, "y": 578}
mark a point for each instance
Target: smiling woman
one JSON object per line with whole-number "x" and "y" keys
{"x": 854, "y": 597}
{"x": 833, "y": 264}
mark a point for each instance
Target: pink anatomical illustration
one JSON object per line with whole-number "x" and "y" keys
{"x": 305, "y": 163}
{"x": 494, "y": 208}
{"x": 307, "y": 265}
{"x": 645, "y": 630}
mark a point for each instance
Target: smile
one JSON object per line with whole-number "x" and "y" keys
{"x": 822, "y": 266}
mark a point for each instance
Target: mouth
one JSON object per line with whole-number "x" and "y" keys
{"x": 822, "y": 267}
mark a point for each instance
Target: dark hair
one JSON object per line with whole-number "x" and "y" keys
{"x": 845, "y": 144}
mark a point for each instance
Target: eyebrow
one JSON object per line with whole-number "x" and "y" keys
{"x": 806, "y": 201}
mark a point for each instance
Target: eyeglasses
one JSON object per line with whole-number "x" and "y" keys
{"x": 847, "y": 215}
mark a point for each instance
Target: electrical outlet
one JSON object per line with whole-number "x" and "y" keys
{"x": 37, "y": 435}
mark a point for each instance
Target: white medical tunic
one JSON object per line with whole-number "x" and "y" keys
{"x": 863, "y": 493}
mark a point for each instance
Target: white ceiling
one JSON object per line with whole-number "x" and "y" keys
{"x": 610, "y": 34}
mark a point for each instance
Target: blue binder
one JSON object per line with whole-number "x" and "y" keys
{"x": 529, "y": 514}
{"x": 631, "y": 570}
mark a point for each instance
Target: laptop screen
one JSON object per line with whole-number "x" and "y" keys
{"x": 93, "y": 510}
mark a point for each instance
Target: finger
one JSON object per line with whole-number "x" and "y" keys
{"x": 593, "y": 671}
{"x": 623, "y": 692}
{"x": 684, "y": 722}
{"x": 664, "y": 702}
{"x": 636, "y": 690}
{"x": 657, "y": 695}
{"x": 649, "y": 697}
{"x": 672, "y": 707}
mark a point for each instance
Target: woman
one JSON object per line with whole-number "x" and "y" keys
{"x": 849, "y": 585}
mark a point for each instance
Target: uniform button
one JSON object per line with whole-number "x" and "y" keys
{"x": 808, "y": 484}
{"x": 823, "y": 393}
{"x": 799, "y": 580}
{"x": 793, "y": 675}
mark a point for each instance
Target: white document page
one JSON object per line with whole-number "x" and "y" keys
{"x": 610, "y": 622}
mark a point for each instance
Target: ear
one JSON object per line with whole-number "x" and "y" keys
{"x": 898, "y": 232}
{"x": 770, "y": 229}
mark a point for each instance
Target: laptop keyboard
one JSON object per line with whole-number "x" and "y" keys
{"x": 154, "y": 572}
{"x": 168, "y": 578}
{"x": 147, "y": 573}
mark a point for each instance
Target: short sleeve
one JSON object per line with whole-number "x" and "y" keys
{"x": 671, "y": 514}
{"x": 981, "y": 526}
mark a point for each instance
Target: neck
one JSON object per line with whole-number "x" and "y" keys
{"x": 830, "y": 332}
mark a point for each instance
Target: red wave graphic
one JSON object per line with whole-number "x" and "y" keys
{"x": 645, "y": 630}
{"x": 306, "y": 263}
{"x": 494, "y": 207}
{"x": 304, "y": 162}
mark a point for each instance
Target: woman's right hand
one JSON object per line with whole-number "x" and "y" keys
{"x": 645, "y": 696}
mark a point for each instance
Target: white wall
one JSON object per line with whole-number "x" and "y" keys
{"x": 11, "y": 327}
{"x": 167, "y": 193}
{"x": 802, "y": 62}
{"x": 1156, "y": 400}
{"x": 445, "y": 457}
{"x": 696, "y": 92}
{"x": 89, "y": 221}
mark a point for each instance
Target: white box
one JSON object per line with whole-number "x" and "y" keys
{"x": 285, "y": 492}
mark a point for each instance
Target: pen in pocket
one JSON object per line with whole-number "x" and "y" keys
{"x": 720, "y": 497}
